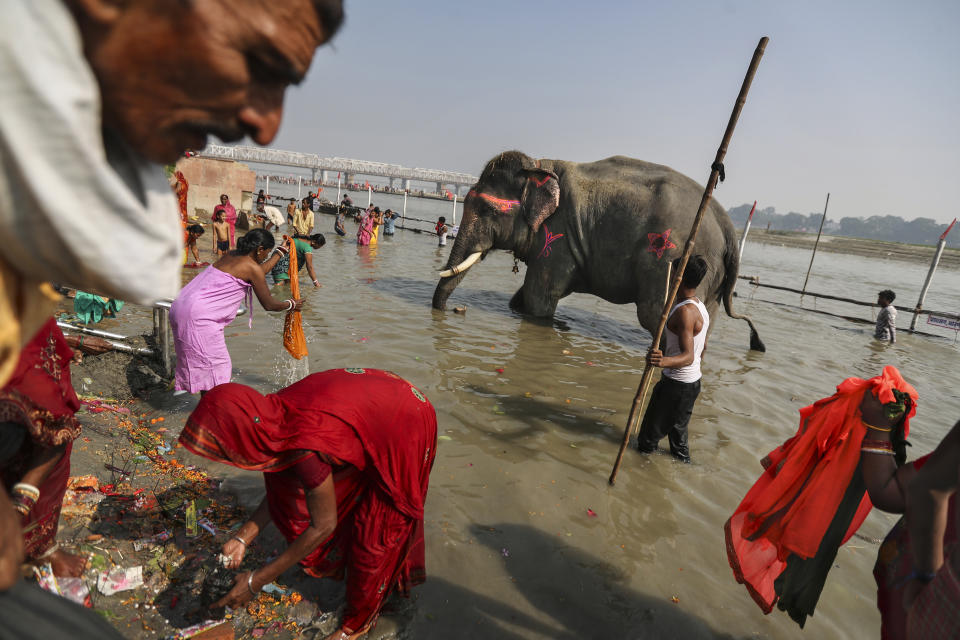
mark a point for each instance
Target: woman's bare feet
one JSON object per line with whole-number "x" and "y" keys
{"x": 65, "y": 565}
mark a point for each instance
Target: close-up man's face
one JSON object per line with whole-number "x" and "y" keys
{"x": 172, "y": 73}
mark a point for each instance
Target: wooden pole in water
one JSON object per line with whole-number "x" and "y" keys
{"x": 715, "y": 170}
{"x": 746, "y": 230}
{"x": 369, "y": 194}
{"x": 815, "y": 244}
{"x": 933, "y": 267}
{"x": 454, "y": 210}
{"x": 338, "y": 189}
{"x": 403, "y": 218}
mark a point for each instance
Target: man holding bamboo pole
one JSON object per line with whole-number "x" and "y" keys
{"x": 671, "y": 404}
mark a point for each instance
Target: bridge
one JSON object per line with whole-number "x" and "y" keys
{"x": 350, "y": 168}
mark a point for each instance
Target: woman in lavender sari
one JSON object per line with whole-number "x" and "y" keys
{"x": 209, "y": 303}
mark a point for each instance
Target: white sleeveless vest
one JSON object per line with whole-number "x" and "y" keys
{"x": 691, "y": 372}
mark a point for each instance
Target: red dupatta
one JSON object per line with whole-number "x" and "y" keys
{"x": 361, "y": 417}
{"x": 40, "y": 394}
{"x": 790, "y": 507}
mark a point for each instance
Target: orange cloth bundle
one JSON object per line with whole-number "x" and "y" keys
{"x": 293, "y": 339}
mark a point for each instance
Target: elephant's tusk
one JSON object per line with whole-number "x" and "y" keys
{"x": 463, "y": 266}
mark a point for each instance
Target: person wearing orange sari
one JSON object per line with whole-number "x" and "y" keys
{"x": 345, "y": 479}
{"x": 40, "y": 397}
{"x": 847, "y": 456}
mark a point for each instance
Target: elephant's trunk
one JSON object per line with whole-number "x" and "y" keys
{"x": 444, "y": 288}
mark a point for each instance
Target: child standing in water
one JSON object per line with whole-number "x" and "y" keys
{"x": 442, "y": 230}
{"x": 221, "y": 235}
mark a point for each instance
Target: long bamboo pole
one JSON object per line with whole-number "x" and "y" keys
{"x": 715, "y": 170}
{"x": 815, "y": 245}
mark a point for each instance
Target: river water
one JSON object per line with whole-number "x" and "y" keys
{"x": 525, "y": 539}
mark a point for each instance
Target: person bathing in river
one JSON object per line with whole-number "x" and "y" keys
{"x": 365, "y": 231}
{"x": 886, "y": 328}
{"x": 345, "y": 481}
{"x": 847, "y": 455}
{"x": 339, "y": 226}
{"x": 442, "y": 230}
{"x": 209, "y": 303}
{"x": 673, "y": 397}
{"x": 377, "y": 219}
{"x": 389, "y": 219}
{"x": 221, "y": 235}
{"x": 40, "y": 397}
{"x": 305, "y": 246}
{"x": 194, "y": 231}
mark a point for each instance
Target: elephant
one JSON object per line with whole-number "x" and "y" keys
{"x": 608, "y": 228}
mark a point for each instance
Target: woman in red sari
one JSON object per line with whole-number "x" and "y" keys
{"x": 847, "y": 456}
{"x": 40, "y": 397}
{"x": 346, "y": 480}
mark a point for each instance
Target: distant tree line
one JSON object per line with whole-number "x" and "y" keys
{"x": 889, "y": 228}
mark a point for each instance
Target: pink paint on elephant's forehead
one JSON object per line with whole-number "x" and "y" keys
{"x": 500, "y": 204}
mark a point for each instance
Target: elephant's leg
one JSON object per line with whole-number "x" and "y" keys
{"x": 546, "y": 281}
{"x": 516, "y": 302}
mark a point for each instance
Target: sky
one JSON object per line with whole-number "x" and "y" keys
{"x": 858, "y": 99}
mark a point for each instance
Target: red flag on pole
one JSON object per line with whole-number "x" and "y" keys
{"x": 943, "y": 237}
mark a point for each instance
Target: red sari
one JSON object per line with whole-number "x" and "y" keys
{"x": 380, "y": 449}
{"x": 792, "y": 507}
{"x": 40, "y": 396}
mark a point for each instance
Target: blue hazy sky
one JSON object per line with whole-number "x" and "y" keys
{"x": 860, "y": 99}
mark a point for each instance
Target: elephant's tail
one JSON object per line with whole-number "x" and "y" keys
{"x": 731, "y": 260}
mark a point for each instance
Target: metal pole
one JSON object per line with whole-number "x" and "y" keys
{"x": 403, "y": 219}
{"x": 369, "y": 194}
{"x": 92, "y": 332}
{"x": 746, "y": 229}
{"x": 268, "y": 186}
{"x": 454, "y": 210}
{"x": 715, "y": 169}
{"x": 338, "y": 189}
{"x": 933, "y": 267}
{"x": 815, "y": 244}
{"x": 299, "y": 184}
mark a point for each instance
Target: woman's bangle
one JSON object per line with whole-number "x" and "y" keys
{"x": 250, "y": 584}
{"x": 241, "y": 541}
{"x": 316, "y": 282}
{"x": 290, "y": 304}
{"x": 24, "y": 489}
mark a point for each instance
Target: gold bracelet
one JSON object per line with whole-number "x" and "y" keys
{"x": 883, "y": 452}
{"x": 870, "y": 426}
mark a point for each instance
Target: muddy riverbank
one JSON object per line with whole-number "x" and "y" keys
{"x": 854, "y": 246}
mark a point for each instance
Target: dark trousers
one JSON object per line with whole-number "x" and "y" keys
{"x": 668, "y": 414}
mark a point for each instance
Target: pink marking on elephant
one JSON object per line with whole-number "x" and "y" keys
{"x": 660, "y": 242}
{"x": 500, "y": 204}
{"x": 551, "y": 237}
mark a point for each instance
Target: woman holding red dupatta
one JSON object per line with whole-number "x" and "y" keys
{"x": 40, "y": 396}
{"x": 847, "y": 456}
{"x": 346, "y": 481}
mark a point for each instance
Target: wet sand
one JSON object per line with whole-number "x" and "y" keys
{"x": 525, "y": 539}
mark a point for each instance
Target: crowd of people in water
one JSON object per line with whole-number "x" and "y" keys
{"x": 345, "y": 454}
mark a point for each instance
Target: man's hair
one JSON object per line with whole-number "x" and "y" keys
{"x": 223, "y": 195}
{"x": 887, "y": 294}
{"x": 442, "y": 219}
{"x": 695, "y": 271}
{"x": 196, "y": 228}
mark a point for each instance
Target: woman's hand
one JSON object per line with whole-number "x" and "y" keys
{"x": 298, "y": 304}
{"x": 240, "y": 594}
{"x": 234, "y": 550}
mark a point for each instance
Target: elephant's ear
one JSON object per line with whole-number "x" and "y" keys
{"x": 541, "y": 196}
